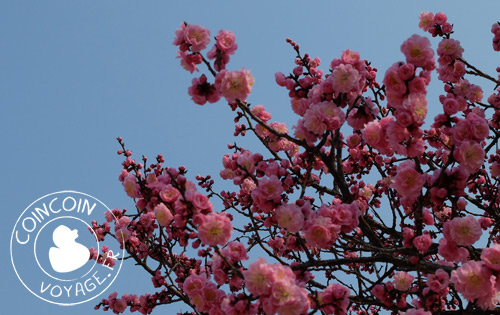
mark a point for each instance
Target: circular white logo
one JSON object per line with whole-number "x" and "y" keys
{"x": 56, "y": 252}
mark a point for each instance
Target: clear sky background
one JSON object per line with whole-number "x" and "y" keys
{"x": 74, "y": 75}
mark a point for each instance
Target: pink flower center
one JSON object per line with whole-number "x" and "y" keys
{"x": 415, "y": 52}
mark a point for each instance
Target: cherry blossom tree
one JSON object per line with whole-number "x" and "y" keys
{"x": 364, "y": 206}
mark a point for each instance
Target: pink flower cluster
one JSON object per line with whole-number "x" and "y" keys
{"x": 395, "y": 292}
{"x": 406, "y": 93}
{"x": 130, "y": 185}
{"x": 334, "y": 299}
{"x": 456, "y": 98}
{"x": 191, "y": 39}
{"x": 450, "y": 68}
{"x": 320, "y": 101}
{"x": 275, "y": 143}
{"x": 143, "y": 304}
{"x": 438, "y": 282}
{"x": 222, "y": 265}
{"x": 267, "y": 194}
{"x": 213, "y": 229}
{"x": 322, "y": 117}
{"x": 403, "y": 281}
{"x": 408, "y": 182}
{"x": 459, "y": 232}
{"x": 436, "y": 24}
{"x": 468, "y": 135}
{"x": 418, "y": 52}
{"x": 495, "y": 29}
{"x": 323, "y": 227}
{"x": 224, "y": 47}
{"x": 388, "y": 294}
{"x": 290, "y": 217}
{"x": 476, "y": 283}
{"x": 204, "y": 294}
{"x": 276, "y": 287}
{"x": 234, "y": 85}
{"x": 445, "y": 189}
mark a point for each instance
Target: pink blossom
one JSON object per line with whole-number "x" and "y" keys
{"x": 438, "y": 281}
{"x": 381, "y": 293}
{"x": 334, "y": 299}
{"x": 422, "y": 242}
{"x": 226, "y": 42}
{"x": 464, "y": 231}
{"x": 323, "y": 116}
{"x": 260, "y": 111}
{"x": 236, "y": 251}
{"x": 450, "y": 106}
{"x": 194, "y": 283}
{"x": 285, "y": 292}
{"x": 163, "y": 215}
{"x": 290, "y": 217}
{"x": 180, "y": 36}
{"x": 123, "y": 221}
{"x": 350, "y": 57}
{"x": 189, "y": 61}
{"x": 259, "y": 277}
{"x": 345, "y": 215}
{"x": 450, "y": 251}
{"x": 344, "y": 78}
{"x": 363, "y": 114}
{"x": 416, "y": 104}
{"x": 373, "y": 133}
{"x": 475, "y": 93}
{"x": 280, "y": 78}
{"x": 440, "y": 18}
{"x": 426, "y": 21}
{"x": 131, "y": 186}
{"x": 395, "y": 86}
{"x": 267, "y": 193}
{"x": 473, "y": 280}
{"x": 122, "y": 235}
{"x": 234, "y": 85}
{"x": 201, "y": 91}
{"x": 297, "y": 301}
{"x": 321, "y": 232}
{"x": 333, "y": 116}
{"x": 495, "y": 29}
{"x": 197, "y": 36}
{"x": 248, "y": 186}
{"x": 199, "y": 201}
{"x": 211, "y": 295}
{"x": 408, "y": 182}
{"x": 418, "y": 51}
{"x": 470, "y": 155}
{"x": 403, "y": 281}
{"x": 450, "y": 48}
{"x": 418, "y": 86}
{"x": 214, "y": 228}
{"x": 478, "y": 126}
{"x": 491, "y": 257}
{"x": 406, "y": 71}
{"x": 314, "y": 121}
{"x": 461, "y": 131}
{"x": 119, "y": 306}
{"x": 169, "y": 193}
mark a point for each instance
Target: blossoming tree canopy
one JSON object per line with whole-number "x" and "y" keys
{"x": 364, "y": 205}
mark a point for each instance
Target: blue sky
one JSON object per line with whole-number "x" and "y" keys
{"x": 74, "y": 75}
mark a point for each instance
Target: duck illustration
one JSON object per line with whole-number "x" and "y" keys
{"x": 68, "y": 255}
